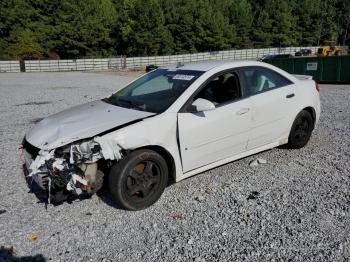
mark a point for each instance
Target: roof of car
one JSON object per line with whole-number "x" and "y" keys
{"x": 208, "y": 65}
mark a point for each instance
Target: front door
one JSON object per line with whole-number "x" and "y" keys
{"x": 210, "y": 136}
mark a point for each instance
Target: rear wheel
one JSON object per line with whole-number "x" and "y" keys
{"x": 138, "y": 180}
{"x": 301, "y": 131}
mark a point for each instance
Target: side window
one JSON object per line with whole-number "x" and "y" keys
{"x": 260, "y": 79}
{"x": 221, "y": 89}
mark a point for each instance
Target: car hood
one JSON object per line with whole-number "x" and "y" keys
{"x": 83, "y": 121}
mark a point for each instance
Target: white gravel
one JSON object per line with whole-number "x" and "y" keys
{"x": 294, "y": 208}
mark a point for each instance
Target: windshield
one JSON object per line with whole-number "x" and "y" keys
{"x": 155, "y": 91}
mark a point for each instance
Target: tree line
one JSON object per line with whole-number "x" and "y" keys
{"x": 32, "y": 29}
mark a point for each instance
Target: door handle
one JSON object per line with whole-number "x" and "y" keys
{"x": 290, "y": 95}
{"x": 242, "y": 111}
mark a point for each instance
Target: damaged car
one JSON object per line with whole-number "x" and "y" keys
{"x": 169, "y": 124}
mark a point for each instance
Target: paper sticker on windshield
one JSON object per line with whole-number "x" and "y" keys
{"x": 183, "y": 77}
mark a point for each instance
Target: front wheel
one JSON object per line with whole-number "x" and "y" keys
{"x": 139, "y": 179}
{"x": 301, "y": 131}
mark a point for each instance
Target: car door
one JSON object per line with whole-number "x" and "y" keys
{"x": 272, "y": 95}
{"x": 210, "y": 136}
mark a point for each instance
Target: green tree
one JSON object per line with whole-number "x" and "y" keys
{"x": 15, "y": 15}
{"x": 217, "y": 32}
{"x": 241, "y": 16}
{"x": 328, "y": 18}
{"x": 182, "y": 20}
{"x": 23, "y": 45}
{"x": 141, "y": 28}
{"x": 274, "y": 24}
{"x": 308, "y": 24}
{"x": 98, "y": 28}
{"x": 262, "y": 24}
{"x": 82, "y": 28}
{"x": 343, "y": 8}
{"x": 201, "y": 25}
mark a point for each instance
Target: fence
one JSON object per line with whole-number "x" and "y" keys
{"x": 73, "y": 65}
{"x": 141, "y": 62}
{"x": 10, "y": 66}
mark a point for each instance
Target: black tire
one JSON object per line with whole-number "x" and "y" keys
{"x": 139, "y": 179}
{"x": 301, "y": 131}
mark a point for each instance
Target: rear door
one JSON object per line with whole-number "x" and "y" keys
{"x": 272, "y": 98}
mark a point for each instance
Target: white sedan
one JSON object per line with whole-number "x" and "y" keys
{"x": 167, "y": 125}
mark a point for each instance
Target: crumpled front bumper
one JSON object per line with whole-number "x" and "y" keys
{"x": 61, "y": 172}
{"x": 40, "y": 179}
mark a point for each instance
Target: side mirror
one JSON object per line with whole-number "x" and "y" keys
{"x": 201, "y": 105}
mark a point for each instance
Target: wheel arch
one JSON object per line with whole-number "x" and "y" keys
{"x": 167, "y": 157}
{"x": 308, "y": 109}
{"x": 312, "y": 111}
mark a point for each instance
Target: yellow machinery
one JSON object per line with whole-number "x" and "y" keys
{"x": 329, "y": 48}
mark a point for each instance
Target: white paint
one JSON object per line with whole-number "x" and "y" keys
{"x": 271, "y": 115}
{"x": 303, "y": 77}
{"x": 206, "y": 137}
{"x": 40, "y": 160}
{"x": 227, "y": 160}
{"x": 79, "y": 122}
{"x": 58, "y": 164}
{"x": 202, "y": 105}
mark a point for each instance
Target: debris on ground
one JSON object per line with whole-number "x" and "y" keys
{"x": 199, "y": 198}
{"x": 33, "y": 237}
{"x": 2, "y": 211}
{"x": 176, "y": 216}
{"x": 257, "y": 162}
{"x": 210, "y": 190}
{"x": 262, "y": 161}
{"x": 253, "y": 195}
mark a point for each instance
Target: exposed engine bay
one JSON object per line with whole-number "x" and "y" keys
{"x": 71, "y": 169}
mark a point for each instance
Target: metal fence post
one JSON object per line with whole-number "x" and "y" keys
{"x": 124, "y": 62}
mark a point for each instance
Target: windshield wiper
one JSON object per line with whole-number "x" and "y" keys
{"x": 132, "y": 104}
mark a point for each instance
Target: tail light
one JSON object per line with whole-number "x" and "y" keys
{"x": 317, "y": 86}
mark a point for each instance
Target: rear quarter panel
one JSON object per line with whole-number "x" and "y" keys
{"x": 308, "y": 96}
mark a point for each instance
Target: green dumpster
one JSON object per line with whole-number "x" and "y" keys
{"x": 332, "y": 69}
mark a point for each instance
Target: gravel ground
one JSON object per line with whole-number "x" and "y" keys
{"x": 295, "y": 207}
